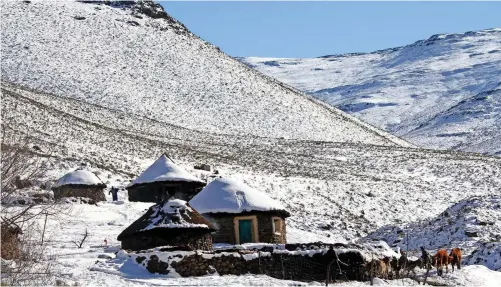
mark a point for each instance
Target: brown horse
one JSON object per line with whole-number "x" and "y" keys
{"x": 440, "y": 259}
{"x": 455, "y": 258}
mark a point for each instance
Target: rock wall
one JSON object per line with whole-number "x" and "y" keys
{"x": 283, "y": 264}
{"x": 94, "y": 193}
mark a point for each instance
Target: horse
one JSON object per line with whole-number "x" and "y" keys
{"x": 455, "y": 258}
{"x": 440, "y": 259}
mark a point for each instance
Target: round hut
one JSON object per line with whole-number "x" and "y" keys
{"x": 240, "y": 213}
{"x": 164, "y": 180}
{"x": 79, "y": 183}
{"x": 171, "y": 223}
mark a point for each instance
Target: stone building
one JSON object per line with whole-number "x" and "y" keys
{"x": 171, "y": 223}
{"x": 164, "y": 180}
{"x": 79, "y": 183}
{"x": 240, "y": 213}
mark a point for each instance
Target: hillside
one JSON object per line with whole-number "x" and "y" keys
{"x": 473, "y": 224}
{"x": 341, "y": 190}
{"x": 122, "y": 59}
{"x": 70, "y": 93}
{"x": 427, "y": 92}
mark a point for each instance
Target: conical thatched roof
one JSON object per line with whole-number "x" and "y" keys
{"x": 224, "y": 195}
{"x": 164, "y": 169}
{"x": 171, "y": 216}
{"x": 79, "y": 176}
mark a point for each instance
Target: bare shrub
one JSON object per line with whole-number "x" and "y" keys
{"x": 25, "y": 260}
{"x": 81, "y": 242}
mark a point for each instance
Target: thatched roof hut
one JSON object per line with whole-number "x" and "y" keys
{"x": 80, "y": 183}
{"x": 241, "y": 214}
{"x": 164, "y": 180}
{"x": 171, "y": 223}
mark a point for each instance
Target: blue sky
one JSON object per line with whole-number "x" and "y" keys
{"x": 312, "y": 29}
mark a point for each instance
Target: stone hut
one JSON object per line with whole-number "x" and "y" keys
{"x": 164, "y": 180}
{"x": 240, "y": 213}
{"x": 79, "y": 183}
{"x": 171, "y": 223}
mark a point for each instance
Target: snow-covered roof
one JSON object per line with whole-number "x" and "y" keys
{"x": 79, "y": 176}
{"x": 172, "y": 214}
{"x": 224, "y": 195}
{"x": 164, "y": 169}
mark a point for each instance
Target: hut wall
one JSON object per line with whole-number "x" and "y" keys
{"x": 192, "y": 239}
{"x": 266, "y": 234}
{"x": 160, "y": 191}
{"x": 95, "y": 193}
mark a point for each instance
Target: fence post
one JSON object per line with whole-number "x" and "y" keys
{"x": 372, "y": 271}
{"x": 259, "y": 261}
{"x": 328, "y": 275}
{"x": 282, "y": 263}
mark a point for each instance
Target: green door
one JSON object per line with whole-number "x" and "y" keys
{"x": 245, "y": 231}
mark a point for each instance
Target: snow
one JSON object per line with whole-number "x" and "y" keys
{"x": 163, "y": 214}
{"x": 340, "y": 179}
{"x": 231, "y": 196}
{"x": 427, "y": 92}
{"x": 159, "y": 70}
{"x": 164, "y": 169}
{"x": 79, "y": 176}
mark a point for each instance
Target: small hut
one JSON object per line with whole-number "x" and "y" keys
{"x": 171, "y": 223}
{"x": 164, "y": 180}
{"x": 240, "y": 213}
{"x": 79, "y": 183}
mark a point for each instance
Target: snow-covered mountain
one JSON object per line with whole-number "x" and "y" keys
{"x": 136, "y": 59}
{"x": 116, "y": 86}
{"x": 91, "y": 85}
{"x": 442, "y": 92}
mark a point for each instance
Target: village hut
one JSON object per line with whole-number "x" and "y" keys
{"x": 79, "y": 183}
{"x": 171, "y": 223}
{"x": 164, "y": 180}
{"x": 240, "y": 213}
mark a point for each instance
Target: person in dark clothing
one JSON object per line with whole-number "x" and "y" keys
{"x": 114, "y": 193}
{"x": 426, "y": 258}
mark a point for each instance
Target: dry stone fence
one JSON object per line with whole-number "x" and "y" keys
{"x": 285, "y": 261}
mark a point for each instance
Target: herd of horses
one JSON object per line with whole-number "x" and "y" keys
{"x": 392, "y": 268}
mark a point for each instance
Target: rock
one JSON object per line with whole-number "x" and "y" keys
{"x": 104, "y": 256}
{"x": 133, "y": 23}
{"x": 471, "y": 233}
{"x": 79, "y": 17}
{"x": 156, "y": 266}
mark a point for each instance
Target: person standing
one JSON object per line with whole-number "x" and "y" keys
{"x": 114, "y": 193}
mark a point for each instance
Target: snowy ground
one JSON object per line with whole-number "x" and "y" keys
{"x": 107, "y": 220}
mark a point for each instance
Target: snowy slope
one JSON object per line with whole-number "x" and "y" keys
{"x": 411, "y": 91}
{"x": 341, "y": 190}
{"x": 472, "y": 224}
{"x": 127, "y": 61}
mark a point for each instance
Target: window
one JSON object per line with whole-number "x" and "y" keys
{"x": 277, "y": 225}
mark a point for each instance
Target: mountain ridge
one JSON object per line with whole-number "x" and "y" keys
{"x": 404, "y": 88}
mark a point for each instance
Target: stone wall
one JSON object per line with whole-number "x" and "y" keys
{"x": 180, "y": 237}
{"x": 94, "y": 193}
{"x": 283, "y": 265}
{"x": 226, "y": 228}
